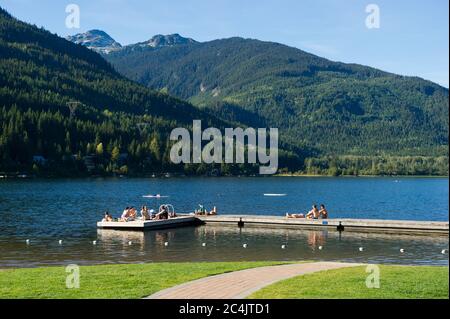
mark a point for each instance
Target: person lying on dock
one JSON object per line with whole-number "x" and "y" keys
{"x": 144, "y": 213}
{"x": 107, "y": 217}
{"x": 295, "y": 215}
{"x": 313, "y": 213}
{"x": 323, "y": 212}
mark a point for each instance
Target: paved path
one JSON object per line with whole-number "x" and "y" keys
{"x": 240, "y": 284}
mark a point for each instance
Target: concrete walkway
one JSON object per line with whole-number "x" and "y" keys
{"x": 240, "y": 284}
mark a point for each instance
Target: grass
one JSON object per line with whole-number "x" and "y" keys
{"x": 110, "y": 281}
{"x": 396, "y": 282}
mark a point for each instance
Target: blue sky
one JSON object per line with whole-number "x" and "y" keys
{"x": 413, "y": 37}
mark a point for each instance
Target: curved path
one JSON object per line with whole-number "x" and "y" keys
{"x": 240, "y": 284}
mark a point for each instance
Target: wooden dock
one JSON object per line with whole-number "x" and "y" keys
{"x": 397, "y": 226}
{"x": 366, "y": 225}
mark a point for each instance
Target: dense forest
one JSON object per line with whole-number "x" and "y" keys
{"x": 116, "y": 126}
{"x": 327, "y": 107}
{"x": 65, "y": 111}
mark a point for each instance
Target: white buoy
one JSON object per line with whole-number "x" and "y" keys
{"x": 204, "y": 244}
{"x": 402, "y": 250}
{"x": 27, "y": 241}
{"x": 361, "y": 249}
{"x": 60, "y": 241}
{"x": 166, "y": 244}
{"x": 244, "y": 245}
{"x": 283, "y": 246}
{"x": 443, "y": 251}
{"x": 320, "y": 247}
{"x": 130, "y": 243}
{"x": 94, "y": 242}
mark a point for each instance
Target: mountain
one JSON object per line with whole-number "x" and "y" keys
{"x": 101, "y": 42}
{"x": 329, "y": 107}
{"x": 64, "y": 110}
{"x": 96, "y": 40}
{"x": 159, "y": 41}
{"x": 63, "y": 105}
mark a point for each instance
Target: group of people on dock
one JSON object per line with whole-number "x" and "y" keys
{"x": 203, "y": 211}
{"x": 314, "y": 213}
{"x": 130, "y": 214}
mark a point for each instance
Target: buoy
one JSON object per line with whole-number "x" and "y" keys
{"x": 27, "y": 241}
{"x": 94, "y": 242}
{"x": 320, "y": 247}
{"x": 60, "y": 241}
{"x": 245, "y": 245}
{"x": 443, "y": 251}
{"x": 166, "y": 244}
{"x": 204, "y": 244}
{"x": 361, "y": 249}
{"x": 130, "y": 243}
{"x": 283, "y": 246}
{"x": 402, "y": 250}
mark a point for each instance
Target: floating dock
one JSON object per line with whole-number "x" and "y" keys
{"x": 397, "y": 226}
{"x": 345, "y": 224}
{"x": 151, "y": 224}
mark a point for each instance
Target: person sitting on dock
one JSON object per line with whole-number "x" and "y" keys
{"x": 107, "y": 217}
{"x": 163, "y": 213}
{"x": 201, "y": 211}
{"x": 213, "y": 211}
{"x": 132, "y": 213}
{"x": 313, "y": 213}
{"x": 323, "y": 212}
{"x": 144, "y": 213}
{"x": 125, "y": 215}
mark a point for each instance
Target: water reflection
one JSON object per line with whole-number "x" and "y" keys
{"x": 224, "y": 243}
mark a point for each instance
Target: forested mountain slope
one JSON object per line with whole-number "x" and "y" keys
{"x": 330, "y": 107}
{"x": 118, "y": 123}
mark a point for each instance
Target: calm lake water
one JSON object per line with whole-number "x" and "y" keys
{"x": 46, "y": 211}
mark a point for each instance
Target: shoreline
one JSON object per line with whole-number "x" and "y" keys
{"x": 174, "y": 176}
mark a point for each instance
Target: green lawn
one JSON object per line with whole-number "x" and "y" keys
{"x": 110, "y": 281}
{"x": 395, "y": 282}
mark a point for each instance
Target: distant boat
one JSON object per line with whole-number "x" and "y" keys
{"x": 274, "y": 195}
{"x": 155, "y": 196}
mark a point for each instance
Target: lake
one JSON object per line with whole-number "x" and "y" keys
{"x": 46, "y": 211}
